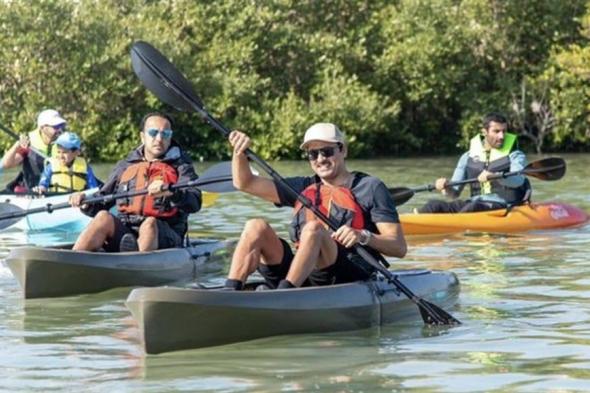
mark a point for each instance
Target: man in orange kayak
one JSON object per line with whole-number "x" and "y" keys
{"x": 492, "y": 152}
{"x": 359, "y": 202}
{"x": 144, "y": 222}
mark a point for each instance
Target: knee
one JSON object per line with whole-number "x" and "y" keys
{"x": 255, "y": 226}
{"x": 312, "y": 230}
{"x": 103, "y": 218}
{"x": 149, "y": 224}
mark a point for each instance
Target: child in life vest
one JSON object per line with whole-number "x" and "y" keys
{"x": 68, "y": 171}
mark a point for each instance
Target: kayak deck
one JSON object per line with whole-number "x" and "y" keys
{"x": 71, "y": 219}
{"x": 52, "y": 272}
{"x": 528, "y": 217}
{"x": 181, "y": 318}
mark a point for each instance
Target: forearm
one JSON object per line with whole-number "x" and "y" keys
{"x": 11, "y": 158}
{"x": 389, "y": 240}
{"x": 241, "y": 172}
{"x": 392, "y": 246}
{"x": 518, "y": 162}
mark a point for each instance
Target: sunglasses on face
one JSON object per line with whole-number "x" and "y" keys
{"x": 58, "y": 128}
{"x": 153, "y": 132}
{"x": 326, "y": 152}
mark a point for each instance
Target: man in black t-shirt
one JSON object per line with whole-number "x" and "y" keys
{"x": 359, "y": 203}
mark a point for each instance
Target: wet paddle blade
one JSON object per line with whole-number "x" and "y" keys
{"x": 549, "y": 169}
{"x": 401, "y": 195}
{"x": 434, "y": 315}
{"x": 10, "y": 214}
{"x": 162, "y": 78}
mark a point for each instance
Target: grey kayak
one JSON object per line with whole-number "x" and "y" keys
{"x": 52, "y": 272}
{"x": 173, "y": 319}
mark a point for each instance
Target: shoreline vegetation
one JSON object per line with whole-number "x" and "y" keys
{"x": 401, "y": 78}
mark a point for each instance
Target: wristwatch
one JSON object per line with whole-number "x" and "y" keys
{"x": 365, "y": 237}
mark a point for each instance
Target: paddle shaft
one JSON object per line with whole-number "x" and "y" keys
{"x": 107, "y": 198}
{"x": 14, "y": 136}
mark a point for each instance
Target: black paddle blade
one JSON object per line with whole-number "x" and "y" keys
{"x": 434, "y": 315}
{"x": 162, "y": 78}
{"x": 10, "y": 214}
{"x": 550, "y": 169}
{"x": 401, "y": 195}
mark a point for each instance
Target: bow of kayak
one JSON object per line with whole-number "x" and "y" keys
{"x": 534, "y": 216}
{"x": 172, "y": 319}
{"x": 51, "y": 272}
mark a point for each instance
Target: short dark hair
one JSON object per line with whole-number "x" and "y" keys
{"x": 495, "y": 117}
{"x": 155, "y": 114}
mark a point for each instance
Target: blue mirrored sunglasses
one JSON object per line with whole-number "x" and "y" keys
{"x": 153, "y": 132}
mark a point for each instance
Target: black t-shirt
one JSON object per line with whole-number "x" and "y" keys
{"x": 370, "y": 193}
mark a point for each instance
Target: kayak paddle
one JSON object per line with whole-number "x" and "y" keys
{"x": 549, "y": 169}
{"x": 216, "y": 179}
{"x": 161, "y": 77}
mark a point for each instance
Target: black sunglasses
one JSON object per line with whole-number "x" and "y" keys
{"x": 327, "y": 152}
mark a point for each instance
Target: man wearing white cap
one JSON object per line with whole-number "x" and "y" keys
{"x": 32, "y": 150}
{"x": 360, "y": 203}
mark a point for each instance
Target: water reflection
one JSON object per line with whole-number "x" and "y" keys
{"x": 524, "y": 305}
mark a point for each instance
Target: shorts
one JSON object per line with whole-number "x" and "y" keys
{"x": 167, "y": 237}
{"x": 342, "y": 271}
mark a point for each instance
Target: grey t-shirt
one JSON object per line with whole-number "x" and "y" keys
{"x": 370, "y": 193}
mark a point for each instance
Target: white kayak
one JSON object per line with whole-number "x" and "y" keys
{"x": 70, "y": 219}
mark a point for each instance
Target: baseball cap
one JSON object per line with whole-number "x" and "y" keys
{"x": 68, "y": 140}
{"x": 326, "y": 132}
{"x": 49, "y": 117}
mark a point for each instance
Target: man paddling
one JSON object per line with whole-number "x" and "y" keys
{"x": 50, "y": 124}
{"x": 360, "y": 203}
{"x": 494, "y": 151}
{"x": 145, "y": 222}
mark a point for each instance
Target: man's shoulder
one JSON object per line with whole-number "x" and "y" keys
{"x": 362, "y": 179}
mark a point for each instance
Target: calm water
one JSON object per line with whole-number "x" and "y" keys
{"x": 525, "y": 304}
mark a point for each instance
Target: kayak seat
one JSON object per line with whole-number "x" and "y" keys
{"x": 526, "y": 200}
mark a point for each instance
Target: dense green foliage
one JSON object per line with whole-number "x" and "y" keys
{"x": 398, "y": 76}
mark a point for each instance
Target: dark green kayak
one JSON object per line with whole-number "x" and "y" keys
{"x": 51, "y": 272}
{"x": 173, "y": 319}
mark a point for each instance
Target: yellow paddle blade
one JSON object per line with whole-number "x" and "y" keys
{"x": 209, "y": 198}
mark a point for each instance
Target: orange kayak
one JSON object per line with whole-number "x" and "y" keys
{"x": 521, "y": 218}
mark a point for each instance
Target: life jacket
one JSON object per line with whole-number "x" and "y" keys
{"x": 68, "y": 178}
{"x": 495, "y": 160}
{"x": 137, "y": 176}
{"x": 338, "y": 203}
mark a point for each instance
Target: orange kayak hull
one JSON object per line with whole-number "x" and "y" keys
{"x": 534, "y": 216}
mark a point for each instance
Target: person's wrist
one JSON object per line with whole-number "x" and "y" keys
{"x": 365, "y": 237}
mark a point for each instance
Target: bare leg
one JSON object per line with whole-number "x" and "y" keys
{"x": 147, "y": 239}
{"x": 317, "y": 250}
{"x": 96, "y": 233}
{"x": 258, "y": 244}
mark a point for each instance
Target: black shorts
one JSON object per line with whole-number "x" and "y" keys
{"x": 167, "y": 237}
{"x": 342, "y": 271}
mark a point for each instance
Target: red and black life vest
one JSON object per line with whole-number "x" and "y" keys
{"x": 338, "y": 203}
{"x": 137, "y": 177}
